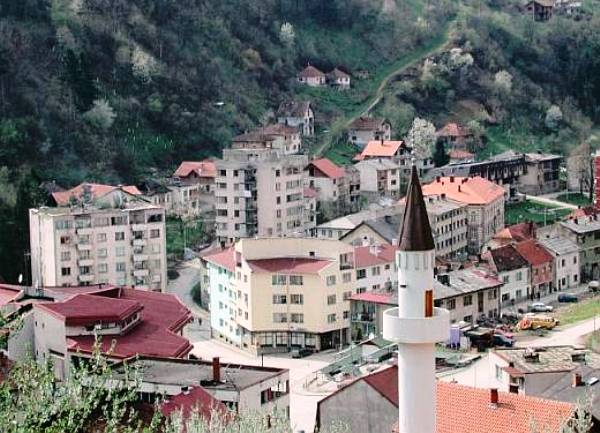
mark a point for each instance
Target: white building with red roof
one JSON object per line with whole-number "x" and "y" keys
{"x": 365, "y": 129}
{"x": 271, "y": 295}
{"x": 334, "y": 183}
{"x": 312, "y": 77}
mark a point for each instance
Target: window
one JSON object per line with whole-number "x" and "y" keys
{"x": 468, "y": 319}
{"x": 505, "y": 279}
{"x": 346, "y": 314}
{"x": 451, "y": 304}
{"x": 65, "y": 240}
{"x": 297, "y": 318}
{"x": 279, "y": 318}
{"x": 65, "y": 256}
{"x": 361, "y": 273}
{"x": 376, "y": 270}
{"x": 65, "y": 272}
{"x": 347, "y": 295}
{"x": 279, "y": 299}
{"x": 330, "y": 280}
{"x": 331, "y": 300}
{"x": 101, "y": 237}
{"x": 278, "y": 280}
{"x": 297, "y": 299}
{"x": 331, "y": 318}
{"x": 63, "y": 224}
{"x": 498, "y": 372}
{"x": 492, "y": 294}
{"x": 505, "y": 297}
{"x": 519, "y": 276}
{"x": 468, "y": 300}
{"x": 296, "y": 280}
{"x": 346, "y": 277}
{"x": 120, "y": 267}
{"x": 154, "y": 233}
{"x": 102, "y": 268}
{"x": 120, "y": 251}
{"x": 102, "y": 253}
{"x": 119, "y": 236}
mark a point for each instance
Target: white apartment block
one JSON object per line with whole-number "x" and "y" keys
{"x": 100, "y": 242}
{"x": 381, "y": 177}
{"x": 272, "y": 295}
{"x": 259, "y": 192}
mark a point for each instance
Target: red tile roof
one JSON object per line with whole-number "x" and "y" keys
{"x": 367, "y": 123}
{"x": 507, "y": 258}
{"x": 197, "y": 400}
{"x": 279, "y": 129}
{"x": 328, "y": 168}
{"x": 157, "y": 334}
{"x": 81, "y": 310}
{"x": 289, "y": 265}
{"x": 224, "y": 258}
{"x": 584, "y": 211}
{"x": 204, "y": 168}
{"x": 534, "y": 252}
{"x": 97, "y": 190}
{"x": 9, "y": 293}
{"x": 338, "y": 73}
{"x": 469, "y": 190}
{"x": 374, "y": 297}
{"x": 463, "y": 409}
{"x": 460, "y": 154}
{"x": 453, "y": 130}
{"x": 311, "y": 72}
{"x": 517, "y": 232}
{"x": 381, "y": 148}
{"x": 374, "y": 255}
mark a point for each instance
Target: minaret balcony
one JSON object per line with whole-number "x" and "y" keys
{"x": 416, "y": 330}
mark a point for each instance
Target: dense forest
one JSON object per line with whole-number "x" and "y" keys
{"x": 120, "y": 90}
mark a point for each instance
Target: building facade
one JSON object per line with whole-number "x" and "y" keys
{"x": 297, "y": 114}
{"x": 566, "y": 262}
{"x": 542, "y": 175}
{"x": 514, "y": 271}
{"x": 365, "y": 129}
{"x": 115, "y": 238}
{"x": 541, "y": 264}
{"x": 584, "y": 231}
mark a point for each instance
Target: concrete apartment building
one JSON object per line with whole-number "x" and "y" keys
{"x": 286, "y": 139}
{"x": 485, "y": 205}
{"x": 334, "y": 184}
{"x": 375, "y": 267}
{"x": 365, "y": 129}
{"x": 192, "y": 189}
{"x": 106, "y": 236}
{"x": 566, "y": 262}
{"x": 260, "y": 192}
{"x": 271, "y": 295}
{"x": 381, "y": 177}
{"x": 297, "y": 114}
{"x": 584, "y": 231}
{"x": 542, "y": 174}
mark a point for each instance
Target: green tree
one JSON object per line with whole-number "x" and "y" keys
{"x": 440, "y": 156}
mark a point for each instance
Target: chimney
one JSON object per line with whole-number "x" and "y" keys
{"x": 437, "y": 178}
{"x": 459, "y": 188}
{"x": 451, "y": 179}
{"x": 494, "y": 397}
{"x": 443, "y": 196}
{"x": 216, "y": 367}
{"x": 576, "y": 381}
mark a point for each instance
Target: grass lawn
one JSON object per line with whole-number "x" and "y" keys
{"x": 593, "y": 341}
{"x": 536, "y": 212}
{"x": 580, "y": 311}
{"x": 575, "y": 198}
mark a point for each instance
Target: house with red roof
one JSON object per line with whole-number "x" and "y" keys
{"x": 339, "y": 79}
{"x": 312, "y": 77}
{"x": 192, "y": 188}
{"x": 334, "y": 183}
{"x": 514, "y": 233}
{"x": 298, "y": 114}
{"x": 370, "y": 405}
{"x": 485, "y": 205}
{"x": 365, "y": 129}
{"x": 514, "y": 271}
{"x": 458, "y": 156}
{"x": 94, "y": 193}
{"x": 127, "y": 323}
{"x": 454, "y": 136}
{"x": 541, "y": 264}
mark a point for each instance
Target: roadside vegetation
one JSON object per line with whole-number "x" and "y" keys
{"x": 575, "y": 198}
{"x": 182, "y": 234}
{"x": 580, "y": 311}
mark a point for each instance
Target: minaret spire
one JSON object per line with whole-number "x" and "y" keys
{"x": 416, "y": 325}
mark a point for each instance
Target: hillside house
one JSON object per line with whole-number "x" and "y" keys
{"x": 365, "y": 129}
{"x": 540, "y": 10}
{"x": 338, "y": 78}
{"x": 312, "y": 77}
{"x": 454, "y": 136}
{"x": 332, "y": 183}
{"x": 297, "y": 114}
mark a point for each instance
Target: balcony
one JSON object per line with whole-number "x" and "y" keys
{"x": 86, "y": 278}
{"x": 84, "y": 247}
{"x": 138, "y": 227}
{"x": 139, "y": 242}
{"x": 363, "y": 317}
{"x": 140, "y": 257}
{"x": 85, "y": 262}
{"x": 84, "y": 231}
{"x": 140, "y": 273}
{"x": 416, "y": 330}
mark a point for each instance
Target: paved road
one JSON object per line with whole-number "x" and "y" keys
{"x": 303, "y": 406}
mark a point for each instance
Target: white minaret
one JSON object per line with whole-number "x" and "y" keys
{"x": 416, "y": 325}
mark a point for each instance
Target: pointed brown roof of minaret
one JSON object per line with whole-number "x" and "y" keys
{"x": 415, "y": 232}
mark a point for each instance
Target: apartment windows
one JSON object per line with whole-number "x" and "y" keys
{"x": 361, "y": 273}
{"x": 84, "y": 239}
{"x": 222, "y": 212}
{"x": 101, "y": 222}
{"x": 65, "y": 240}
{"x": 223, "y": 173}
{"x": 279, "y": 299}
{"x": 119, "y": 236}
{"x": 297, "y": 299}
{"x": 83, "y": 223}
{"x": 297, "y": 318}
{"x": 492, "y": 294}
{"x": 519, "y": 276}
{"x": 451, "y": 304}
{"x": 119, "y": 251}
{"x": 65, "y": 272}
{"x": 155, "y": 248}
{"x": 331, "y": 299}
{"x": 85, "y": 270}
{"x": 65, "y": 256}
{"x": 505, "y": 279}
{"x": 63, "y": 224}
{"x": 102, "y": 268}
{"x": 246, "y": 315}
{"x": 279, "y": 318}
{"x": 222, "y": 185}
{"x": 118, "y": 220}
{"x": 347, "y": 295}
{"x": 120, "y": 266}
{"x": 85, "y": 254}
{"x": 346, "y": 314}
{"x": 296, "y": 280}
{"x": 278, "y": 280}
{"x": 154, "y": 233}
{"x": 331, "y": 318}
{"x": 102, "y": 253}
{"x": 278, "y": 213}
{"x": 330, "y": 280}
{"x": 101, "y": 237}
{"x": 519, "y": 294}
{"x": 375, "y": 271}
{"x": 277, "y": 173}
{"x": 468, "y": 300}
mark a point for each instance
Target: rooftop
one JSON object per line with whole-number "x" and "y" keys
{"x": 204, "y": 168}
{"x": 534, "y": 252}
{"x": 327, "y": 168}
{"x": 582, "y": 225}
{"x": 374, "y": 255}
{"x": 379, "y": 164}
{"x": 367, "y": 123}
{"x": 469, "y": 190}
{"x": 507, "y": 258}
{"x": 95, "y": 191}
{"x": 224, "y": 258}
{"x": 517, "y": 232}
{"x": 311, "y": 72}
{"x": 460, "y": 154}
{"x": 293, "y": 109}
{"x": 338, "y": 73}
{"x": 279, "y": 129}
{"x": 453, "y": 130}
{"x": 551, "y": 359}
{"x": 289, "y": 265}
{"x": 381, "y": 148}
{"x": 465, "y": 281}
{"x": 191, "y": 400}
{"x": 560, "y": 246}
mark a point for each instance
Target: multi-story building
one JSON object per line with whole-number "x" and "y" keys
{"x": 365, "y": 129}
{"x": 286, "y": 139}
{"x": 514, "y": 271}
{"x": 192, "y": 189}
{"x": 541, "y": 264}
{"x": 298, "y": 114}
{"x": 566, "y": 262}
{"x": 485, "y": 205}
{"x": 270, "y": 295}
{"x": 396, "y": 151}
{"x": 542, "y": 174}
{"x": 375, "y": 267}
{"x": 260, "y": 192}
{"x": 585, "y": 232}
{"x": 334, "y": 185}
{"x": 108, "y": 237}
{"x": 381, "y": 177}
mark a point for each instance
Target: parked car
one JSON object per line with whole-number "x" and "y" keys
{"x": 540, "y": 307}
{"x": 502, "y": 341}
{"x": 594, "y": 286}
{"x": 501, "y": 330}
{"x": 535, "y": 321}
{"x": 301, "y": 353}
{"x": 568, "y": 297}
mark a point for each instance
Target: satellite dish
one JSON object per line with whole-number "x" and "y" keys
{"x": 20, "y": 278}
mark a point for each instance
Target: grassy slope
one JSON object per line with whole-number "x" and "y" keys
{"x": 538, "y": 213}
{"x": 580, "y": 311}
